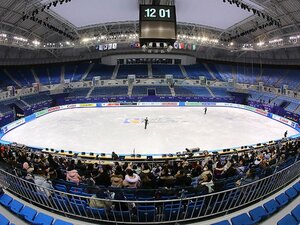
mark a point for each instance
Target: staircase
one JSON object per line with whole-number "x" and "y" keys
{"x": 36, "y": 78}
{"x": 211, "y": 93}
{"x": 130, "y": 87}
{"x": 210, "y": 72}
{"x": 172, "y": 92}
{"x": 115, "y": 73}
{"x": 13, "y": 79}
{"x": 24, "y": 103}
{"x": 87, "y": 71}
{"x": 150, "y": 73}
{"x": 62, "y": 74}
{"x": 90, "y": 92}
{"x": 183, "y": 71}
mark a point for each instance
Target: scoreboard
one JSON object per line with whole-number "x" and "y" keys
{"x": 157, "y": 24}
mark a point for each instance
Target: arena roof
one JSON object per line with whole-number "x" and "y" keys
{"x": 210, "y": 13}
{"x": 219, "y": 19}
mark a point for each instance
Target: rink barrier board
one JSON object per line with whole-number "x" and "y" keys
{"x": 7, "y": 128}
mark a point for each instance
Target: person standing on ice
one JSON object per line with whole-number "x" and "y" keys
{"x": 285, "y": 134}
{"x": 146, "y": 123}
{"x": 205, "y": 110}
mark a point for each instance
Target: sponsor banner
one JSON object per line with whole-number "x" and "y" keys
{"x": 261, "y": 112}
{"x": 87, "y": 105}
{"x": 112, "y": 104}
{"x": 53, "y": 109}
{"x": 13, "y": 125}
{"x": 223, "y": 104}
{"x": 41, "y": 113}
{"x": 128, "y": 103}
{"x": 193, "y": 104}
{"x": 284, "y": 120}
{"x": 248, "y": 107}
{"x": 149, "y": 104}
{"x": 168, "y": 104}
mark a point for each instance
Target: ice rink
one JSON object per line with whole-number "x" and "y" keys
{"x": 103, "y": 130}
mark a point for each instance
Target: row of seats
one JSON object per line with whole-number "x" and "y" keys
{"x": 291, "y": 219}
{"x": 5, "y": 221}
{"x": 52, "y": 73}
{"x": 269, "y": 208}
{"x": 27, "y": 213}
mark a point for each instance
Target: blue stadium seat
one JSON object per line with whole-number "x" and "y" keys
{"x": 5, "y": 200}
{"x": 28, "y": 213}
{"x": 271, "y": 206}
{"x": 42, "y": 219}
{"x": 287, "y": 220}
{"x": 16, "y": 206}
{"x": 282, "y": 199}
{"x": 4, "y": 220}
{"x": 296, "y": 213}
{"x": 258, "y": 213}
{"x": 242, "y": 219}
{"x": 291, "y": 193}
{"x": 146, "y": 215}
{"x": 297, "y": 187}
{"x": 172, "y": 213}
{"x": 61, "y": 222}
{"x": 121, "y": 215}
{"x": 224, "y": 222}
{"x": 96, "y": 212}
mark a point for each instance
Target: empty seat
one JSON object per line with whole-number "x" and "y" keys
{"x": 291, "y": 193}
{"x": 16, "y": 206}
{"x": 271, "y": 206}
{"x": 282, "y": 199}
{"x": 42, "y": 219}
{"x": 287, "y": 220}
{"x": 4, "y": 220}
{"x": 242, "y": 219}
{"x": 146, "y": 215}
{"x": 258, "y": 213}
{"x": 5, "y": 200}
{"x": 297, "y": 187}
{"x": 27, "y": 213}
{"x": 296, "y": 213}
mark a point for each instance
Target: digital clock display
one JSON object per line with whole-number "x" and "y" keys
{"x": 157, "y": 24}
{"x": 157, "y": 13}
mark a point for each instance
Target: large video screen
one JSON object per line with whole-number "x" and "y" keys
{"x": 157, "y": 24}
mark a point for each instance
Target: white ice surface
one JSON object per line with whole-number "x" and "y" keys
{"x": 103, "y": 130}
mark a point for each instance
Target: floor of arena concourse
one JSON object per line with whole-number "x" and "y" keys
{"x": 170, "y": 129}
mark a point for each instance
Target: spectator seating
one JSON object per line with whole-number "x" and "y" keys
{"x": 5, "y": 80}
{"x": 143, "y": 90}
{"x": 75, "y": 72}
{"x": 104, "y": 71}
{"x": 110, "y": 91}
{"x": 291, "y": 219}
{"x": 162, "y": 70}
{"x": 141, "y": 71}
{"x": 4, "y": 220}
{"x": 79, "y": 92}
{"x": 219, "y": 92}
{"x": 191, "y": 91}
{"x": 27, "y": 213}
{"x": 259, "y": 213}
{"x": 22, "y": 74}
{"x": 196, "y": 70}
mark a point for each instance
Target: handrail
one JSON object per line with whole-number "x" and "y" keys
{"x": 149, "y": 211}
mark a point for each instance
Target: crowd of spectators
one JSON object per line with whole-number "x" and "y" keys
{"x": 203, "y": 174}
